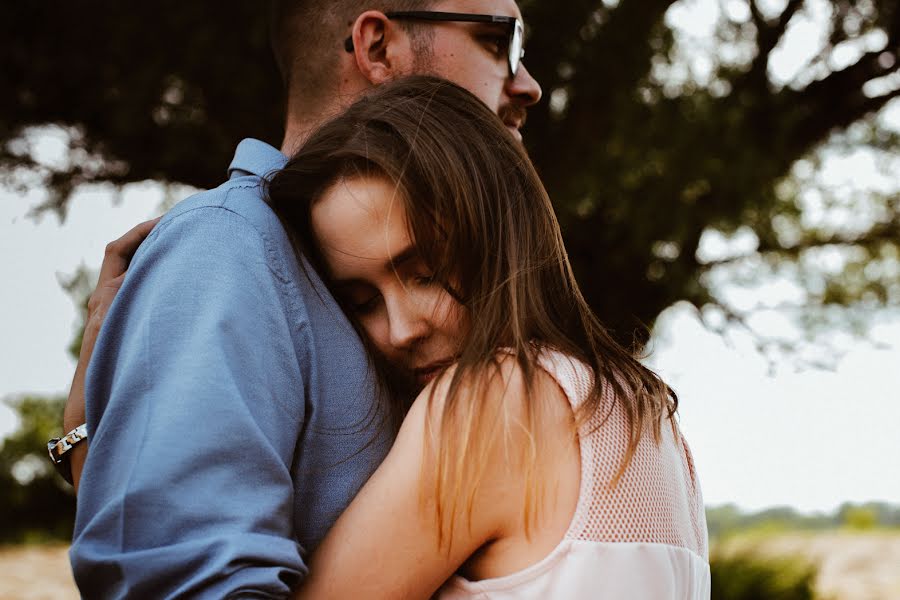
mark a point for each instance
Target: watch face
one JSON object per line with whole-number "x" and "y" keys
{"x": 51, "y": 448}
{"x": 58, "y": 450}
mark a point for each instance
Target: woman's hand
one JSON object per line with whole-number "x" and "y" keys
{"x": 112, "y": 274}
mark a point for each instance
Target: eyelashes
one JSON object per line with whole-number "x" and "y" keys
{"x": 370, "y": 304}
{"x": 366, "y": 307}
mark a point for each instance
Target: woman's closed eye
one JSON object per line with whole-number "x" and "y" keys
{"x": 423, "y": 279}
{"x": 365, "y": 307}
{"x": 359, "y": 299}
{"x": 363, "y": 304}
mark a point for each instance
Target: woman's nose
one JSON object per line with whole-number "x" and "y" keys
{"x": 407, "y": 321}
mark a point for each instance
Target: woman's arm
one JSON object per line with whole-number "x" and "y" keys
{"x": 112, "y": 273}
{"x": 385, "y": 544}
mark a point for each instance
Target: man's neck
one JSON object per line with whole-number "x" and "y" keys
{"x": 302, "y": 120}
{"x": 296, "y": 134}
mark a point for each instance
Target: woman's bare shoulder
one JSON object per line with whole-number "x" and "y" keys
{"x": 502, "y": 386}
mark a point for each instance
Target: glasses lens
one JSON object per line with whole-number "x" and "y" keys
{"x": 516, "y": 49}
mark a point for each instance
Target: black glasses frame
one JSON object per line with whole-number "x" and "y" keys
{"x": 516, "y": 29}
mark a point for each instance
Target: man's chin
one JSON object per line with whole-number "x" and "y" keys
{"x": 515, "y": 132}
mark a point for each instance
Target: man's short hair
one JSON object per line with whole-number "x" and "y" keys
{"x": 307, "y": 38}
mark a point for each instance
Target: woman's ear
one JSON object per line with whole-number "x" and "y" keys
{"x": 381, "y": 49}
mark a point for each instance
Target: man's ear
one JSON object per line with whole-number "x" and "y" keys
{"x": 380, "y": 48}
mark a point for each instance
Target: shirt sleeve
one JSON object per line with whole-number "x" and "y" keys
{"x": 195, "y": 404}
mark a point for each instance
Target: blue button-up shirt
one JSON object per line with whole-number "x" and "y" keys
{"x": 231, "y": 408}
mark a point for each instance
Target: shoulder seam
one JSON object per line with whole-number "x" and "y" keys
{"x": 273, "y": 260}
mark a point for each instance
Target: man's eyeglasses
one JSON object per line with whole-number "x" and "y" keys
{"x": 516, "y": 29}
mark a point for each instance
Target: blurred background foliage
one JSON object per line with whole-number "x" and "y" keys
{"x": 749, "y": 577}
{"x": 35, "y": 504}
{"x": 727, "y": 520}
{"x": 646, "y": 149}
{"x": 643, "y": 147}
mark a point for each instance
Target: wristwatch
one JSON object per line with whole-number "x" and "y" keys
{"x": 59, "y": 448}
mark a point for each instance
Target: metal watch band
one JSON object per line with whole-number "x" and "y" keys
{"x": 58, "y": 449}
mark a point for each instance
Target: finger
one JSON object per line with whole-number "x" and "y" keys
{"x": 118, "y": 253}
{"x": 104, "y": 294}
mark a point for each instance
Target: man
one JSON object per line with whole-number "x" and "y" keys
{"x": 231, "y": 407}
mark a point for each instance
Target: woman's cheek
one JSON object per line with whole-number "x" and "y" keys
{"x": 452, "y": 315}
{"x": 376, "y": 329}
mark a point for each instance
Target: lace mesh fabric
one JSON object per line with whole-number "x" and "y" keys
{"x": 657, "y": 498}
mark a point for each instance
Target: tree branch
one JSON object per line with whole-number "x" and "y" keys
{"x": 767, "y": 37}
{"x": 617, "y": 58}
{"x": 834, "y": 102}
{"x": 875, "y": 103}
{"x": 888, "y": 232}
{"x": 763, "y": 344}
{"x": 893, "y": 29}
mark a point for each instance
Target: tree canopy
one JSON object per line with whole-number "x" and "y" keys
{"x": 639, "y": 160}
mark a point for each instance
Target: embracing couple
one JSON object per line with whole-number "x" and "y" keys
{"x": 361, "y": 367}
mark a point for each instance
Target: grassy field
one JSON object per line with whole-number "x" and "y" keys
{"x": 36, "y": 573}
{"x": 851, "y": 565}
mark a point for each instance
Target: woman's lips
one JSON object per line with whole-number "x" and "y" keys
{"x": 430, "y": 371}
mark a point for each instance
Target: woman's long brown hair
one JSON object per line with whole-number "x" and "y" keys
{"x": 482, "y": 220}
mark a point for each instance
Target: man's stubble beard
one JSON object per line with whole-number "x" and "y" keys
{"x": 423, "y": 64}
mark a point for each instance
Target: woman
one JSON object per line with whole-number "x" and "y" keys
{"x": 540, "y": 459}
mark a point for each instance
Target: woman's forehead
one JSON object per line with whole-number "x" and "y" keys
{"x": 360, "y": 219}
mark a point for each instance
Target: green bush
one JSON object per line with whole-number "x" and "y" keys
{"x": 749, "y": 577}
{"x": 859, "y": 517}
{"x": 35, "y": 504}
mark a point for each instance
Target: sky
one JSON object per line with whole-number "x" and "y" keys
{"x": 761, "y": 437}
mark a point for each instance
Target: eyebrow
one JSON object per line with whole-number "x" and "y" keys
{"x": 403, "y": 257}
{"x": 406, "y": 255}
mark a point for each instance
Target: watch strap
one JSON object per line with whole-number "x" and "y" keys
{"x": 58, "y": 449}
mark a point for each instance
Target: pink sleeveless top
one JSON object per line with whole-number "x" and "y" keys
{"x": 645, "y": 539}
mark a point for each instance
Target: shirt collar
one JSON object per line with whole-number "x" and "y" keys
{"x": 254, "y": 157}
